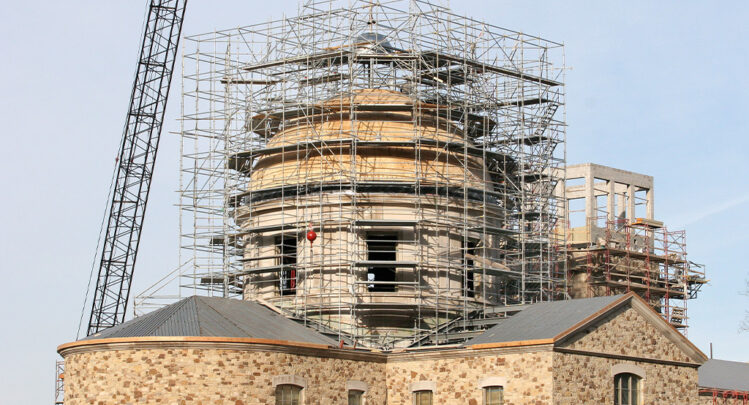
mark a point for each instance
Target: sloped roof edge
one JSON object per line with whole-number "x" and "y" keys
{"x": 214, "y": 317}
{"x": 668, "y": 330}
{"x": 637, "y": 303}
{"x": 543, "y": 321}
{"x": 594, "y": 317}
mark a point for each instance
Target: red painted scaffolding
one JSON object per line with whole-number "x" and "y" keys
{"x": 641, "y": 256}
{"x": 726, "y": 397}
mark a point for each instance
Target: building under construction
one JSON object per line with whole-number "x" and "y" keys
{"x": 615, "y": 245}
{"x": 375, "y": 208}
{"x": 421, "y": 147}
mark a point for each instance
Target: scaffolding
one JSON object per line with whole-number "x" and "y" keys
{"x": 641, "y": 256}
{"x": 59, "y": 382}
{"x": 615, "y": 245}
{"x": 720, "y": 396}
{"x": 422, "y": 147}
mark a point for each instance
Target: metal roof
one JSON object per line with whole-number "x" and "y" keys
{"x": 213, "y": 316}
{"x": 543, "y": 320}
{"x": 725, "y": 375}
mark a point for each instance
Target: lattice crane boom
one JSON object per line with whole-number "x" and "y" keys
{"x": 135, "y": 163}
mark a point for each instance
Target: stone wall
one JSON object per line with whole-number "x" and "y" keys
{"x": 586, "y": 378}
{"x": 204, "y": 375}
{"x": 180, "y": 373}
{"x": 576, "y": 369}
{"x": 222, "y": 375}
{"x": 528, "y": 375}
{"x": 634, "y": 335}
{"x": 582, "y": 379}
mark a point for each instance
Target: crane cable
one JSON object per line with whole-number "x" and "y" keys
{"x": 106, "y": 209}
{"x": 98, "y": 244}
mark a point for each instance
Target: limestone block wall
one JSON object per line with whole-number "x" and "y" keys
{"x": 177, "y": 373}
{"x": 626, "y": 332}
{"x": 581, "y": 379}
{"x": 623, "y": 337}
{"x": 575, "y": 369}
{"x": 528, "y": 376}
{"x": 174, "y": 374}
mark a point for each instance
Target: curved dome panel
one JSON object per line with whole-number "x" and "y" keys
{"x": 391, "y": 141}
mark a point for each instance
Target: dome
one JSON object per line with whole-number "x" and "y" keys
{"x": 370, "y": 135}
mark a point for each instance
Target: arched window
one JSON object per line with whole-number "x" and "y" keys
{"x": 356, "y": 392}
{"x": 423, "y": 392}
{"x": 422, "y": 397}
{"x": 288, "y": 394}
{"x": 493, "y": 389}
{"x": 493, "y": 395}
{"x": 355, "y": 397}
{"x": 627, "y": 389}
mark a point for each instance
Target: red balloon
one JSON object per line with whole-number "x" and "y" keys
{"x": 311, "y": 236}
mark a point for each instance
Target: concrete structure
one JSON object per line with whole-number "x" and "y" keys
{"x": 575, "y": 359}
{"x": 607, "y": 194}
{"x": 615, "y": 244}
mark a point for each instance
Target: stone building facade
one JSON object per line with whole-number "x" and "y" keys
{"x": 574, "y": 366}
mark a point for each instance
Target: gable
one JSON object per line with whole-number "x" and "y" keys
{"x": 632, "y": 331}
{"x": 543, "y": 321}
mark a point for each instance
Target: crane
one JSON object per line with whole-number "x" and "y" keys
{"x": 135, "y": 163}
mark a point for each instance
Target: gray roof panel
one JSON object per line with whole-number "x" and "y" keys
{"x": 182, "y": 321}
{"x": 217, "y": 317}
{"x": 543, "y": 320}
{"x": 724, "y": 375}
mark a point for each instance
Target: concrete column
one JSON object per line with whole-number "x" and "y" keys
{"x": 590, "y": 197}
{"x": 630, "y": 202}
{"x": 649, "y": 207}
{"x": 610, "y": 202}
{"x": 561, "y": 195}
{"x": 621, "y": 201}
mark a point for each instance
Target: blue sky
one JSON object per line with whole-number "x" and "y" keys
{"x": 654, "y": 87}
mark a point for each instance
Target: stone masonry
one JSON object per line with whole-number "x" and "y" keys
{"x": 576, "y": 368}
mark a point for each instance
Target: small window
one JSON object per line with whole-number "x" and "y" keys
{"x": 286, "y": 249}
{"x": 355, "y": 397}
{"x": 493, "y": 395}
{"x": 422, "y": 397}
{"x": 381, "y": 248}
{"x": 468, "y": 251}
{"x": 288, "y": 394}
{"x": 626, "y": 389}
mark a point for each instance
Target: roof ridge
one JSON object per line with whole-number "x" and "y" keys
{"x": 229, "y": 320}
{"x": 176, "y": 307}
{"x": 611, "y": 306}
{"x": 216, "y": 317}
{"x": 197, "y": 315}
{"x": 160, "y": 316}
{"x": 546, "y": 321}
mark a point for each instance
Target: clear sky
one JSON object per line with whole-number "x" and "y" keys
{"x": 654, "y": 87}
